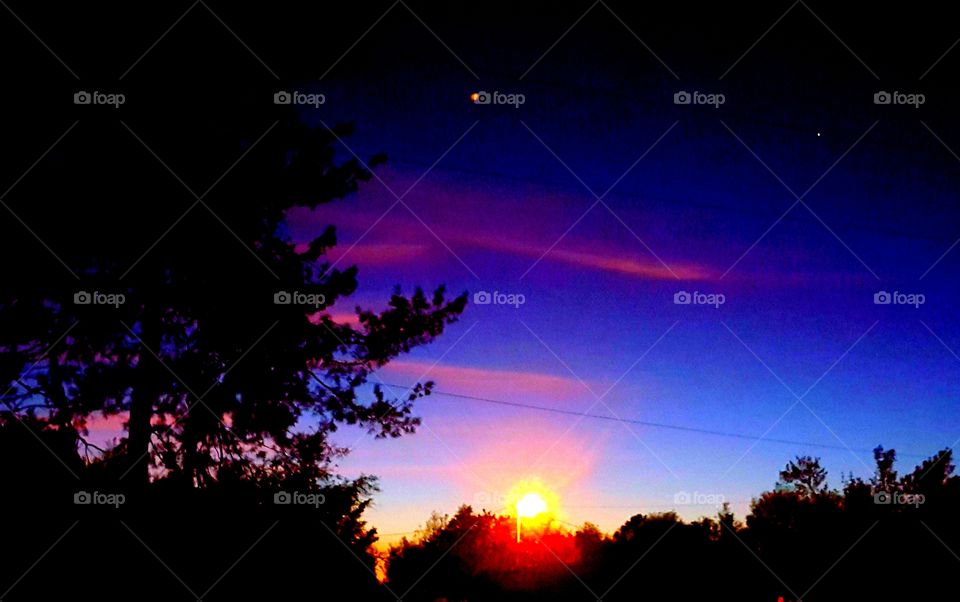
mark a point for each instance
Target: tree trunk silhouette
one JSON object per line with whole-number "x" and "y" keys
{"x": 142, "y": 400}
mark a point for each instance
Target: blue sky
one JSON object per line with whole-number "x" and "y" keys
{"x": 799, "y": 308}
{"x": 694, "y": 198}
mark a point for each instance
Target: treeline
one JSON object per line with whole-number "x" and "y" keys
{"x": 74, "y": 530}
{"x": 876, "y": 539}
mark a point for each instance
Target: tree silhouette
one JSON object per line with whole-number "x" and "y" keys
{"x": 885, "y": 478}
{"x": 176, "y": 336}
{"x": 932, "y": 474}
{"x": 223, "y": 396}
{"x": 805, "y": 475}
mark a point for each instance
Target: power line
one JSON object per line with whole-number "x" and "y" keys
{"x": 661, "y": 425}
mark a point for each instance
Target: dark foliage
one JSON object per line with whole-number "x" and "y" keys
{"x": 871, "y": 541}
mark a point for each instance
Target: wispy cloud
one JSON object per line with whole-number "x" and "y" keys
{"x": 620, "y": 261}
{"x": 500, "y": 384}
{"x": 471, "y": 219}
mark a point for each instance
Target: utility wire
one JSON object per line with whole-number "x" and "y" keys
{"x": 661, "y": 425}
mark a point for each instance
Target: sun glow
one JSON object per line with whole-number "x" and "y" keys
{"x": 531, "y": 505}
{"x": 532, "y": 501}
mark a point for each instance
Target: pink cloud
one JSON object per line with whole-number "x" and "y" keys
{"x": 350, "y": 319}
{"x": 500, "y": 384}
{"x": 465, "y": 217}
{"x": 379, "y": 253}
{"x": 612, "y": 261}
{"x": 112, "y": 426}
{"x": 347, "y": 318}
{"x": 632, "y": 267}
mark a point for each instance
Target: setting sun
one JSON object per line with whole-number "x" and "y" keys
{"x": 531, "y": 500}
{"x": 531, "y": 505}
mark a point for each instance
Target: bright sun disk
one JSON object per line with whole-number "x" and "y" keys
{"x": 531, "y": 505}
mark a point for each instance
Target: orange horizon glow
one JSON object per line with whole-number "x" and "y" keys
{"x": 531, "y": 505}
{"x": 533, "y": 502}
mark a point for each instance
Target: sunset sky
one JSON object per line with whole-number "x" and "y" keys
{"x": 698, "y": 213}
{"x": 597, "y": 200}
{"x": 503, "y": 300}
